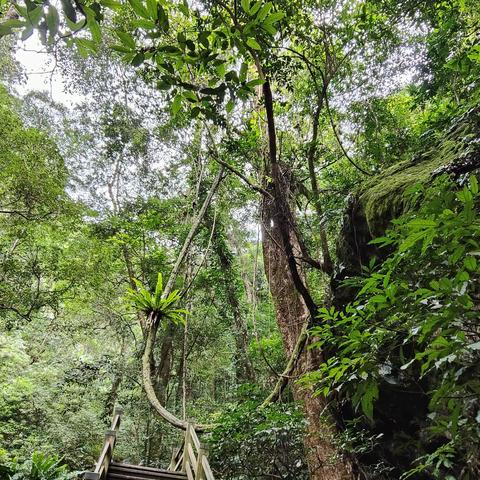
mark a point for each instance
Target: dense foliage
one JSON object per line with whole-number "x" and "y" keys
{"x": 249, "y": 440}
{"x": 412, "y": 328}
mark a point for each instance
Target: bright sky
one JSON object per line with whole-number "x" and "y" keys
{"x": 41, "y": 73}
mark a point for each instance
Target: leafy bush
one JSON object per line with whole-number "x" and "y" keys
{"x": 40, "y": 467}
{"x": 250, "y": 442}
{"x": 415, "y": 325}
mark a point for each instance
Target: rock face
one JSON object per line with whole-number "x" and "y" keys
{"x": 370, "y": 210}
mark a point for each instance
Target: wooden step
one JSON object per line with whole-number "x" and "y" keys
{"x": 163, "y": 475}
{"x": 123, "y": 471}
{"x": 126, "y": 476}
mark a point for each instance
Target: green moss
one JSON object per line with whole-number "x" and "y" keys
{"x": 384, "y": 196}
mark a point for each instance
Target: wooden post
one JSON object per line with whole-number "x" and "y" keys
{"x": 117, "y": 412}
{"x": 172, "y": 461}
{"x": 110, "y": 437}
{"x": 200, "y": 472}
{"x": 188, "y": 439}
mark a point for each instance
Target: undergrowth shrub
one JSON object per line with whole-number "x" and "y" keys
{"x": 251, "y": 442}
{"x": 40, "y": 467}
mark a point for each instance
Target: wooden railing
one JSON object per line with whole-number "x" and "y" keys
{"x": 101, "y": 468}
{"x": 191, "y": 458}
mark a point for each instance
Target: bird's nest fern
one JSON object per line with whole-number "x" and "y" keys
{"x": 154, "y": 305}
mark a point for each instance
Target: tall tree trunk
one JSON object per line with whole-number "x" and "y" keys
{"x": 296, "y": 309}
{"x": 230, "y": 283}
{"x": 312, "y": 152}
{"x": 324, "y": 460}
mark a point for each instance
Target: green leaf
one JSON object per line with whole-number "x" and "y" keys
{"x": 145, "y": 24}
{"x": 220, "y": 69}
{"x": 254, "y": 83}
{"x": 139, "y": 9}
{"x": 112, "y": 4}
{"x": 422, "y": 223}
{"x": 69, "y": 10}
{"x": 379, "y": 299}
{"x": 183, "y": 7}
{"x": 6, "y": 28}
{"x": 252, "y": 43}
{"x": 53, "y": 20}
{"x": 255, "y": 8}
{"x": 190, "y": 96}
{"x": 275, "y": 17}
{"x": 138, "y": 59}
{"x": 245, "y": 5}
{"x": 35, "y": 15}
{"x": 470, "y": 263}
{"x": 243, "y": 72}
{"x": 269, "y": 28}
{"x": 27, "y": 32}
{"x": 94, "y": 28}
{"x": 169, "y": 49}
{"x": 152, "y": 9}
{"x": 75, "y": 26}
{"x": 264, "y": 11}
{"x": 85, "y": 46}
{"x": 126, "y": 39}
{"x": 162, "y": 85}
{"x": 120, "y": 48}
{"x": 370, "y": 395}
{"x": 465, "y": 196}
{"x": 203, "y": 39}
{"x": 473, "y": 184}
{"x": 176, "y": 104}
{"x": 230, "y": 106}
{"x": 163, "y": 18}
{"x": 21, "y": 10}
{"x": 159, "y": 285}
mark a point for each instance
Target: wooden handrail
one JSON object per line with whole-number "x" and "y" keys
{"x": 192, "y": 457}
{"x": 101, "y": 467}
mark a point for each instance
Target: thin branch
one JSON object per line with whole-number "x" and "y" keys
{"x": 257, "y": 188}
{"x": 215, "y": 155}
{"x": 345, "y": 153}
{"x": 185, "y": 291}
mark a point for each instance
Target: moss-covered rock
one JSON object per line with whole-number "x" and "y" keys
{"x": 456, "y": 151}
{"x": 384, "y": 197}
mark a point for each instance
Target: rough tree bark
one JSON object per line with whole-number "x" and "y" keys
{"x": 295, "y": 309}
{"x": 324, "y": 460}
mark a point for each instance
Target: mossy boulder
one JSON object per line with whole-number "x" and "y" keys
{"x": 384, "y": 197}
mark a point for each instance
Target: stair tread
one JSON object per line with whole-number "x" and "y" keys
{"x": 164, "y": 475}
{"x": 139, "y": 472}
{"x": 138, "y": 467}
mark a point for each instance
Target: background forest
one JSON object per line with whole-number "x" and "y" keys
{"x": 304, "y": 175}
